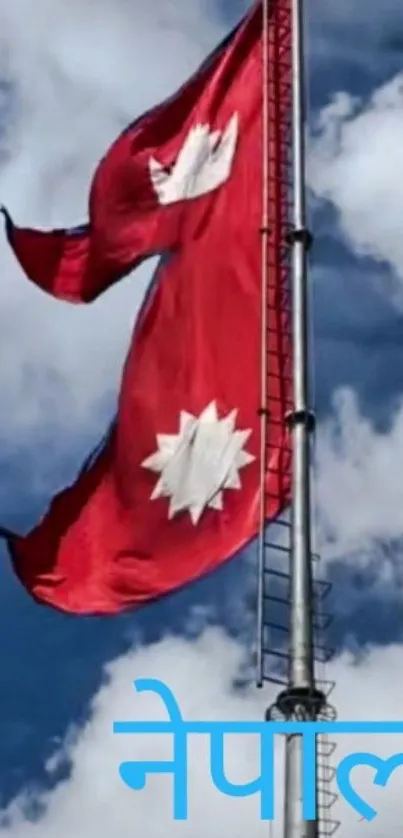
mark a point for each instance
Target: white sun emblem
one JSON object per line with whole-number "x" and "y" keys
{"x": 199, "y": 462}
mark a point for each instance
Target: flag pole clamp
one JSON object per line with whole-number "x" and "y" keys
{"x": 300, "y": 235}
{"x": 301, "y": 417}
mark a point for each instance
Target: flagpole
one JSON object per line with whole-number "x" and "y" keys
{"x": 301, "y": 666}
{"x": 301, "y": 699}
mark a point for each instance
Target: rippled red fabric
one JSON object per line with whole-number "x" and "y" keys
{"x": 105, "y": 544}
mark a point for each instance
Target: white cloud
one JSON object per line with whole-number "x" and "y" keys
{"x": 355, "y": 162}
{"x": 359, "y": 491}
{"x": 75, "y": 74}
{"x": 94, "y": 803}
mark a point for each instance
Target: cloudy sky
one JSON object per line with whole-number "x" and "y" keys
{"x": 71, "y": 76}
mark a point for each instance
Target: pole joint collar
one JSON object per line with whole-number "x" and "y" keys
{"x": 300, "y": 703}
{"x": 301, "y": 417}
{"x": 300, "y": 236}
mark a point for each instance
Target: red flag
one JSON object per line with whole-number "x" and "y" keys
{"x": 174, "y": 492}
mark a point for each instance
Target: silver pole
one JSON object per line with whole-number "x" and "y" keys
{"x": 303, "y": 700}
{"x": 301, "y": 665}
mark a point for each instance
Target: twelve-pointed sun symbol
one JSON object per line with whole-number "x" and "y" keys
{"x": 199, "y": 462}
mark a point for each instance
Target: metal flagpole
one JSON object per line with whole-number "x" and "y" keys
{"x": 301, "y": 699}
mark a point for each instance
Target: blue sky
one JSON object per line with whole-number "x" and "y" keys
{"x": 68, "y": 82}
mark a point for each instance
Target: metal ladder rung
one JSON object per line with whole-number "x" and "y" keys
{"x": 331, "y": 796}
{"x": 323, "y": 654}
{"x": 281, "y": 574}
{"x": 330, "y": 749}
{"x": 273, "y": 495}
{"x": 333, "y": 827}
{"x": 277, "y": 653}
{"x": 318, "y": 583}
{"x": 280, "y": 547}
{"x": 327, "y": 686}
{"x": 330, "y": 772}
{"x": 272, "y": 679}
{"x": 324, "y": 584}
{"x": 277, "y": 626}
{"x": 272, "y": 598}
{"x": 323, "y": 624}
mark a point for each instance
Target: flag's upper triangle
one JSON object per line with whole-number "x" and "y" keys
{"x": 179, "y": 151}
